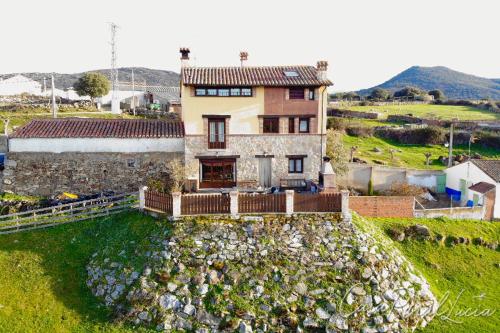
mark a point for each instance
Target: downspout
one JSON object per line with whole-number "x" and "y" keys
{"x": 321, "y": 123}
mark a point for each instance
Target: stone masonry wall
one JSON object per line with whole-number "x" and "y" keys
{"x": 45, "y": 174}
{"x": 248, "y": 146}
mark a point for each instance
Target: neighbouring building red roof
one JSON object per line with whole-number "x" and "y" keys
{"x": 253, "y": 76}
{"x": 482, "y": 187}
{"x": 489, "y": 167}
{"x": 100, "y": 128}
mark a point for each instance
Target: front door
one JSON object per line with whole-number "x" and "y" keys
{"x": 218, "y": 173}
{"x": 265, "y": 172}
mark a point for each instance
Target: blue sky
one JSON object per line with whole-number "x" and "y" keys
{"x": 365, "y": 42}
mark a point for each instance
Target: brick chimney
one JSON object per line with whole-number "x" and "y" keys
{"x": 184, "y": 56}
{"x": 243, "y": 57}
{"x": 322, "y": 67}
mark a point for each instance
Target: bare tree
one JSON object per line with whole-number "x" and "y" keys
{"x": 336, "y": 151}
{"x": 427, "y": 158}
{"x": 354, "y": 149}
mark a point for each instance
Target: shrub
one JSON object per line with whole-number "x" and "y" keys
{"x": 405, "y": 189}
{"x": 359, "y": 131}
{"x": 430, "y": 135}
{"x": 489, "y": 139}
{"x": 336, "y": 123}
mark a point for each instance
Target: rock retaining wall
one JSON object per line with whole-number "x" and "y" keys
{"x": 45, "y": 174}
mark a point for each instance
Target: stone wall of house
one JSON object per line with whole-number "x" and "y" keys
{"x": 248, "y": 146}
{"x": 45, "y": 174}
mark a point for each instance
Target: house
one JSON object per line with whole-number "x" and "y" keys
{"x": 241, "y": 127}
{"x": 49, "y": 156}
{"x": 475, "y": 182}
{"x": 253, "y": 126}
{"x": 19, "y": 84}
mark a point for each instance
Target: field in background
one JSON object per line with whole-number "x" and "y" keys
{"x": 468, "y": 273}
{"x": 409, "y": 156}
{"x": 429, "y": 111}
{"x": 23, "y": 116}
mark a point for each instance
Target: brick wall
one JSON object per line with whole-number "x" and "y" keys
{"x": 372, "y": 206}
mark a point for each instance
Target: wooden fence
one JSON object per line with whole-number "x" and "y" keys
{"x": 161, "y": 202}
{"x": 198, "y": 204}
{"x": 262, "y": 203}
{"x": 71, "y": 212}
{"x": 317, "y": 202}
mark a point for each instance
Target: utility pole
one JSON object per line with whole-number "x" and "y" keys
{"x": 54, "y": 106}
{"x": 115, "y": 103}
{"x": 450, "y": 148}
{"x": 133, "y": 92}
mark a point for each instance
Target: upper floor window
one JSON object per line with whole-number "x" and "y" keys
{"x": 216, "y": 133}
{"x": 311, "y": 94}
{"x": 291, "y": 125}
{"x": 304, "y": 125}
{"x": 271, "y": 125}
{"x": 223, "y": 91}
{"x": 296, "y": 93}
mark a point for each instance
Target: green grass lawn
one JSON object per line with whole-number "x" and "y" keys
{"x": 408, "y": 156}
{"x": 466, "y": 273}
{"x": 42, "y": 275}
{"x": 430, "y": 111}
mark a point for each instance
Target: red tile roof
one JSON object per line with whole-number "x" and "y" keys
{"x": 252, "y": 76}
{"x": 482, "y": 187}
{"x": 100, "y": 128}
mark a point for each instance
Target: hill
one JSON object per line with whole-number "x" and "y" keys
{"x": 454, "y": 84}
{"x": 141, "y": 74}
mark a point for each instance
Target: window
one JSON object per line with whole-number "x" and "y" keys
{"x": 271, "y": 125}
{"x": 223, "y": 91}
{"x": 295, "y": 165}
{"x": 304, "y": 125}
{"x": 291, "y": 125}
{"x": 216, "y": 133}
{"x": 291, "y": 73}
{"x": 311, "y": 94}
{"x": 200, "y": 92}
{"x": 246, "y": 91}
{"x": 296, "y": 93}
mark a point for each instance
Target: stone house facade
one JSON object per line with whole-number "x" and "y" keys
{"x": 253, "y": 126}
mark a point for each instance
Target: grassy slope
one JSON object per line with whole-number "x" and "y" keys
{"x": 42, "y": 275}
{"x": 431, "y": 111}
{"x": 411, "y": 156}
{"x": 469, "y": 268}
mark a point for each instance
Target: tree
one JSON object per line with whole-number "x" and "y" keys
{"x": 427, "y": 158}
{"x": 437, "y": 94}
{"x": 379, "y": 94}
{"x": 336, "y": 151}
{"x": 92, "y": 85}
{"x": 410, "y": 92}
{"x": 351, "y": 95}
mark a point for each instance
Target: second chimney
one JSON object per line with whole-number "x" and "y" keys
{"x": 184, "y": 56}
{"x": 243, "y": 57}
{"x": 322, "y": 67}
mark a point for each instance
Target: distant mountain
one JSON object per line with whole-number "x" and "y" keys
{"x": 455, "y": 85}
{"x": 141, "y": 75}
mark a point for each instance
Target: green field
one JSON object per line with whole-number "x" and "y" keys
{"x": 409, "y": 156}
{"x": 468, "y": 274}
{"x": 430, "y": 111}
{"x": 42, "y": 273}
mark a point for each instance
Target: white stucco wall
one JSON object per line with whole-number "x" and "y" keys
{"x": 96, "y": 145}
{"x": 472, "y": 174}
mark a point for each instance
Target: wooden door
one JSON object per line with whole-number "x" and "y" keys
{"x": 265, "y": 172}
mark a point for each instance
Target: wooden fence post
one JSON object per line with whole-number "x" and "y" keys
{"x": 289, "y": 201}
{"x": 233, "y": 195}
{"x": 142, "y": 197}
{"x": 176, "y": 204}
{"x": 346, "y": 214}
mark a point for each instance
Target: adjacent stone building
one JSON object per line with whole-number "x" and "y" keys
{"x": 90, "y": 155}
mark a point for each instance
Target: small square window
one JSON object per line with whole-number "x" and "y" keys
{"x": 295, "y": 165}
{"x": 223, "y": 92}
{"x": 235, "y": 92}
{"x": 200, "y": 92}
{"x": 131, "y": 163}
{"x": 296, "y": 93}
{"x": 212, "y": 92}
{"x": 271, "y": 125}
